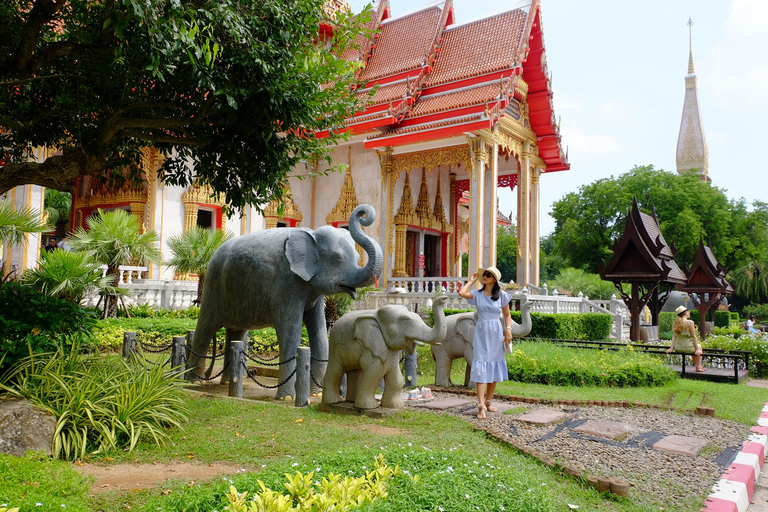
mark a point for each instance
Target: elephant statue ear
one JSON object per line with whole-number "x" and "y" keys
{"x": 301, "y": 251}
{"x": 368, "y": 329}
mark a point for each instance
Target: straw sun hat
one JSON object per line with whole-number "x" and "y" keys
{"x": 493, "y": 270}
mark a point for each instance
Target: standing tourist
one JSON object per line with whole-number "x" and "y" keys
{"x": 684, "y": 337}
{"x": 488, "y": 363}
{"x": 51, "y": 245}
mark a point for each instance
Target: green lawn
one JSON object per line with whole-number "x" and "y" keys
{"x": 458, "y": 468}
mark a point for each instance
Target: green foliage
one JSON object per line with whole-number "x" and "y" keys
{"x": 722, "y": 318}
{"x": 58, "y": 206}
{"x": 506, "y": 252}
{"x": 547, "y": 363}
{"x": 334, "y": 492}
{"x": 587, "y": 222}
{"x": 14, "y": 224}
{"x": 335, "y": 307}
{"x": 100, "y": 403}
{"x": 451, "y": 311}
{"x": 751, "y": 280}
{"x": 237, "y": 87}
{"x": 574, "y": 280}
{"x": 114, "y": 238}
{"x": 192, "y": 251}
{"x": 755, "y": 343}
{"x": 38, "y": 482}
{"x": 67, "y": 275}
{"x": 32, "y": 322}
{"x": 147, "y": 310}
{"x": 666, "y": 319}
{"x": 734, "y": 331}
{"x": 568, "y": 326}
{"x": 759, "y": 310}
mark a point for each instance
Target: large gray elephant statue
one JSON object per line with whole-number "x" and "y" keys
{"x": 366, "y": 345}
{"x": 279, "y": 277}
{"x": 458, "y": 343}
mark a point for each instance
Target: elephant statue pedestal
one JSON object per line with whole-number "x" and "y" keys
{"x": 366, "y": 345}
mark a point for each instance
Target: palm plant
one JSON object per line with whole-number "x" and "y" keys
{"x": 572, "y": 281}
{"x": 68, "y": 275}
{"x": 58, "y": 206}
{"x": 114, "y": 238}
{"x": 192, "y": 251}
{"x": 14, "y": 224}
{"x": 751, "y": 280}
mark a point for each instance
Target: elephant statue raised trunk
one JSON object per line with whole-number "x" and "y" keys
{"x": 278, "y": 277}
{"x": 366, "y": 345}
{"x": 459, "y": 343}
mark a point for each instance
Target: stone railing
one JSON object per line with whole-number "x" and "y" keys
{"x": 158, "y": 293}
{"x": 126, "y": 273}
{"x": 417, "y": 293}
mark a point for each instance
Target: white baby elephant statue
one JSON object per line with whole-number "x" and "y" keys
{"x": 366, "y": 345}
{"x": 459, "y": 341}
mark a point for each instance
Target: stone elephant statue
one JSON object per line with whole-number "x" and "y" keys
{"x": 366, "y": 345}
{"x": 278, "y": 277}
{"x": 459, "y": 339}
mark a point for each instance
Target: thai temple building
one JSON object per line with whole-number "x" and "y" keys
{"x": 691, "y": 144}
{"x": 460, "y": 109}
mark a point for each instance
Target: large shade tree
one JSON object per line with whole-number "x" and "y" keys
{"x": 588, "y": 221}
{"x": 240, "y": 87}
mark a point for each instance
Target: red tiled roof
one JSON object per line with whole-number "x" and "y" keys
{"x": 362, "y": 43}
{"x": 463, "y": 98}
{"x": 403, "y": 45}
{"x": 391, "y": 92}
{"x": 479, "y": 47}
{"x": 428, "y": 126}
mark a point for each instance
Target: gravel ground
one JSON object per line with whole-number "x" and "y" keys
{"x": 656, "y": 476}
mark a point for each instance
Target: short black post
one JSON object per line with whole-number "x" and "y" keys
{"x": 178, "y": 358}
{"x": 237, "y": 363}
{"x": 129, "y": 344}
{"x": 303, "y": 359}
{"x": 410, "y": 369}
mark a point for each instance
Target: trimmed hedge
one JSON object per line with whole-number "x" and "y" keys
{"x": 722, "y": 318}
{"x": 548, "y": 363}
{"x": 108, "y": 334}
{"x": 568, "y": 326}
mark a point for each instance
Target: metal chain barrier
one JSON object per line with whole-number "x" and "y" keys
{"x": 160, "y": 348}
{"x": 207, "y": 379}
{"x": 250, "y": 375}
{"x": 312, "y": 376}
{"x": 318, "y": 360}
{"x": 261, "y": 362}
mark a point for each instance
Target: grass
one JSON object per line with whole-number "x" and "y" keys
{"x": 458, "y": 468}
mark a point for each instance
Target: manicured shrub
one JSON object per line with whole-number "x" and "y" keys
{"x": 759, "y": 310}
{"x": 666, "y": 319}
{"x": 449, "y": 312}
{"x": 547, "y": 363}
{"x": 32, "y": 322}
{"x": 568, "y": 326}
{"x": 722, "y": 318}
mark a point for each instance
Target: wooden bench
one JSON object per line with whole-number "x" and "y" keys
{"x": 686, "y": 371}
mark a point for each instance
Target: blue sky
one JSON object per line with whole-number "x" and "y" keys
{"x": 618, "y": 71}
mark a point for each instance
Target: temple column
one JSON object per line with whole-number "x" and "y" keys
{"x": 490, "y": 207}
{"x": 400, "y": 251}
{"x": 523, "y": 216}
{"x": 385, "y": 213}
{"x": 535, "y": 238}
{"x": 479, "y": 156}
{"x": 453, "y": 238}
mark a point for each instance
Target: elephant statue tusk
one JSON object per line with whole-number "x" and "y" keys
{"x": 420, "y": 343}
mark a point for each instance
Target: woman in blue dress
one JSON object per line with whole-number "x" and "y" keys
{"x": 488, "y": 363}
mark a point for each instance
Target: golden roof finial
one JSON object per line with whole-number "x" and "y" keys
{"x": 690, "y": 48}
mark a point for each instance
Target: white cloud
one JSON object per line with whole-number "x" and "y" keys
{"x": 591, "y": 144}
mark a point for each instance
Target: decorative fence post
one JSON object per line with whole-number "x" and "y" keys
{"x": 237, "y": 364}
{"x": 129, "y": 344}
{"x": 303, "y": 358}
{"x": 410, "y": 369}
{"x": 178, "y": 356}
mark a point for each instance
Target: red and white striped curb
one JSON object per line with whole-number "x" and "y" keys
{"x": 733, "y": 492}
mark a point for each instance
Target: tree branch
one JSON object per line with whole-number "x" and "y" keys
{"x": 57, "y": 172}
{"x": 189, "y": 141}
{"x": 32, "y": 79}
{"x": 42, "y": 13}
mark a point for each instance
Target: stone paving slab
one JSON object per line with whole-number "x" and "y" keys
{"x": 543, "y": 417}
{"x": 683, "y": 445}
{"x": 606, "y": 429}
{"x": 442, "y": 404}
{"x": 500, "y": 408}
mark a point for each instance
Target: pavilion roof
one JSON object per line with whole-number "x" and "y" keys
{"x": 438, "y": 79}
{"x": 641, "y": 254}
{"x": 706, "y": 275}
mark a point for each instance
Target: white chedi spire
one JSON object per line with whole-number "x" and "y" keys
{"x": 691, "y": 143}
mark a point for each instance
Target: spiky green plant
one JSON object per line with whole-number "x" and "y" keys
{"x": 14, "y": 223}
{"x": 751, "y": 280}
{"x": 58, "y": 206}
{"x": 192, "y": 251}
{"x": 99, "y": 402}
{"x": 114, "y": 238}
{"x": 68, "y": 275}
